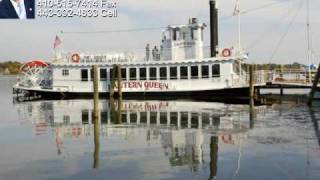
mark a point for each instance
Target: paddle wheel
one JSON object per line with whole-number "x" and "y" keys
{"x": 35, "y": 74}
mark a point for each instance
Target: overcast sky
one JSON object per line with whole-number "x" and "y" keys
{"x": 262, "y": 29}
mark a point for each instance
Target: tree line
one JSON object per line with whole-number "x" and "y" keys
{"x": 10, "y": 67}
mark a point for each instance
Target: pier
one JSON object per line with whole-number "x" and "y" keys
{"x": 282, "y": 80}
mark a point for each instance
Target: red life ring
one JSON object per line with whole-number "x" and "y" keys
{"x": 226, "y": 52}
{"x": 75, "y": 58}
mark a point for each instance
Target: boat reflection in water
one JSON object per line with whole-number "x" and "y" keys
{"x": 182, "y": 128}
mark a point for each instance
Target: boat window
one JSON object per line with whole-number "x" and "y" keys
{"x": 205, "y": 118}
{"x": 103, "y": 74}
{"x": 143, "y": 73}
{"x": 91, "y": 74}
{"x": 143, "y": 117}
{"x": 124, "y": 74}
{"x": 173, "y": 73}
{"x": 111, "y": 73}
{"x": 153, "y": 74}
{"x": 194, "y": 72}
{"x": 163, "y": 117}
{"x": 104, "y": 117}
{"x": 236, "y": 67}
{"x": 194, "y": 120}
{"x": 153, "y": 117}
{"x": 205, "y": 71}
{"x": 216, "y": 70}
{"x": 173, "y": 118}
{"x": 84, "y": 75}
{"x": 183, "y": 72}
{"x": 133, "y": 117}
{"x": 174, "y": 34}
{"x": 123, "y": 117}
{"x": 65, "y": 72}
{"x": 184, "y": 119}
{"x": 163, "y": 73}
{"x": 133, "y": 74}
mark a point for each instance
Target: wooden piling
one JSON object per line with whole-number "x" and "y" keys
{"x": 95, "y": 89}
{"x": 251, "y": 113}
{"x": 113, "y": 111}
{"x": 251, "y": 81}
{"x": 314, "y": 87}
{"x": 96, "y": 117}
{"x": 113, "y": 81}
{"x": 119, "y": 81}
{"x": 119, "y": 115}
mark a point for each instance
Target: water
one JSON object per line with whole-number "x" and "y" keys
{"x": 156, "y": 140}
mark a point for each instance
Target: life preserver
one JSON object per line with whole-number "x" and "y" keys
{"x": 226, "y": 52}
{"x": 75, "y": 58}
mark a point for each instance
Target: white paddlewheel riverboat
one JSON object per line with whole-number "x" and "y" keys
{"x": 179, "y": 67}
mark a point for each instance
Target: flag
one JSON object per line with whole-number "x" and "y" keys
{"x": 236, "y": 10}
{"x": 57, "y": 42}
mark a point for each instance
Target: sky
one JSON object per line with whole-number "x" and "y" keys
{"x": 272, "y": 31}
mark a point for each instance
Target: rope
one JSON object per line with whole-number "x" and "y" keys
{"x": 162, "y": 27}
{"x": 286, "y": 32}
{"x": 270, "y": 30}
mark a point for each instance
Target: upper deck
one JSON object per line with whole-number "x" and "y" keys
{"x": 179, "y": 44}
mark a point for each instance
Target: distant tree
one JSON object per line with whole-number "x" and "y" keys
{"x": 13, "y": 67}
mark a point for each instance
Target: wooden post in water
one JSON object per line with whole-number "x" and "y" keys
{"x": 251, "y": 81}
{"x": 119, "y": 115}
{"x": 113, "y": 82}
{"x": 113, "y": 111}
{"x": 251, "y": 113}
{"x": 119, "y": 81}
{"x": 314, "y": 87}
{"x": 96, "y": 117}
{"x": 252, "y": 94}
{"x": 95, "y": 89}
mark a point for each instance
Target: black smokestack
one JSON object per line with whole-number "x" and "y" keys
{"x": 213, "y": 28}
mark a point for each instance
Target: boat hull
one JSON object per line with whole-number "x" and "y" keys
{"x": 228, "y": 93}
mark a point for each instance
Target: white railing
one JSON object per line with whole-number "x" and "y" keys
{"x": 143, "y": 55}
{"x": 299, "y": 77}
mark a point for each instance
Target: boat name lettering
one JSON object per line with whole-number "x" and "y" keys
{"x": 146, "y": 85}
{"x": 104, "y": 59}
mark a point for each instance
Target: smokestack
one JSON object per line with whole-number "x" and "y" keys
{"x": 213, "y": 28}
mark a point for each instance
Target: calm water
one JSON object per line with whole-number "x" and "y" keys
{"x": 156, "y": 140}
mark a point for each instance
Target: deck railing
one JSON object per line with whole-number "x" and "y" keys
{"x": 142, "y": 55}
{"x": 299, "y": 77}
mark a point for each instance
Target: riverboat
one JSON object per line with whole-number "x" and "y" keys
{"x": 179, "y": 67}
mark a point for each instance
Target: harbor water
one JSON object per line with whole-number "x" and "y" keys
{"x": 156, "y": 139}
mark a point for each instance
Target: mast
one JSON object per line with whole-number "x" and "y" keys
{"x": 213, "y": 28}
{"x": 309, "y": 45}
{"x": 238, "y": 13}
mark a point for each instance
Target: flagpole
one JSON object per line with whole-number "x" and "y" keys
{"x": 239, "y": 26}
